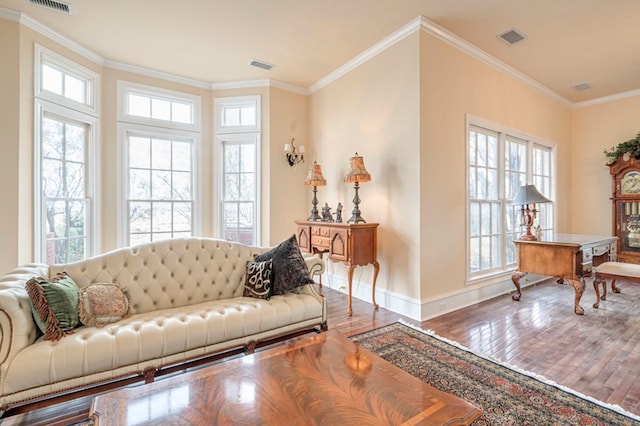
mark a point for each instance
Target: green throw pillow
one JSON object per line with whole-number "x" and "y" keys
{"x": 54, "y": 303}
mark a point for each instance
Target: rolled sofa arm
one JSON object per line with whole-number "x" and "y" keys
{"x": 17, "y": 327}
{"x": 314, "y": 264}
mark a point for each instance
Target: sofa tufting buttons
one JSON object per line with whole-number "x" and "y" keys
{"x": 113, "y": 281}
{"x": 154, "y": 276}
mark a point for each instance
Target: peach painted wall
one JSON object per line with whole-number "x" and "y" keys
{"x": 374, "y": 110}
{"x": 454, "y": 84}
{"x": 9, "y": 140}
{"x": 284, "y": 185}
{"x": 405, "y": 110}
{"x": 594, "y": 129}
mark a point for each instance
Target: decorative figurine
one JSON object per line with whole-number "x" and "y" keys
{"x": 326, "y": 213}
{"x": 338, "y": 213}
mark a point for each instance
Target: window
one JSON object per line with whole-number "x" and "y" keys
{"x": 158, "y": 107}
{"x": 498, "y": 164}
{"x": 160, "y": 164}
{"x": 238, "y": 142}
{"x": 66, "y": 138}
{"x": 64, "y": 82}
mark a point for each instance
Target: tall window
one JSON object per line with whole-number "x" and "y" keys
{"x": 160, "y": 141}
{"x": 498, "y": 164}
{"x": 66, "y": 137}
{"x": 238, "y": 142}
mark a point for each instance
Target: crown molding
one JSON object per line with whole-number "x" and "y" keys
{"x": 259, "y": 83}
{"x": 423, "y": 24}
{"x": 156, "y": 74}
{"x": 371, "y": 52}
{"x": 605, "y": 99}
{"x": 36, "y": 26}
{"x": 440, "y": 33}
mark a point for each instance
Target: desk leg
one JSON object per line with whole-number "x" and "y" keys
{"x": 516, "y": 281}
{"x": 578, "y": 286}
{"x": 349, "y": 281}
{"x": 376, "y": 269}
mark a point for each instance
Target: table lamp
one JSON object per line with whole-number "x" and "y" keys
{"x": 527, "y": 197}
{"x": 357, "y": 173}
{"x": 315, "y": 179}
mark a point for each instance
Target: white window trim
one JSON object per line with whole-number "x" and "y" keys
{"x": 92, "y": 79}
{"x": 243, "y": 131}
{"x": 220, "y": 103}
{"x": 217, "y": 207}
{"x": 126, "y": 87}
{"x": 473, "y": 121}
{"x": 124, "y": 129}
{"x": 92, "y": 173}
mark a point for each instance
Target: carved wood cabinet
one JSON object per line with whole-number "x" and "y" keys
{"x": 349, "y": 243}
{"x": 625, "y": 174}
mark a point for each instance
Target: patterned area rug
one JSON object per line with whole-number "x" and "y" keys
{"x": 506, "y": 396}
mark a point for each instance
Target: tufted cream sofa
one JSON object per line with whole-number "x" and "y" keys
{"x": 186, "y": 306}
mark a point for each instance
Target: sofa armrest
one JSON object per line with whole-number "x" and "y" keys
{"x": 17, "y": 327}
{"x": 315, "y": 265}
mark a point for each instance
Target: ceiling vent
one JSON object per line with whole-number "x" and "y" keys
{"x": 581, "y": 86}
{"x": 60, "y": 6}
{"x": 511, "y": 37}
{"x": 260, "y": 64}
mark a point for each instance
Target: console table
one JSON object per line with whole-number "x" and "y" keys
{"x": 567, "y": 256}
{"x": 354, "y": 244}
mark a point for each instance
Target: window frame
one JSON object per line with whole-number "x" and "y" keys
{"x": 125, "y": 130}
{"x": 503, "y": 135}
{"x": 163, "y": 129}
{"x": 92, "y": 171}
{"x": 44, "y": 56}
{"x": 236, "y": 133}
{"x": 125, "y": 88}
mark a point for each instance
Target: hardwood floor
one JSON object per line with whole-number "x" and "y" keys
{"x": 597, "y": 354}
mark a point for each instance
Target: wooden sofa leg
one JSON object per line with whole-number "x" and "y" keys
{"x": 149, "y": 375}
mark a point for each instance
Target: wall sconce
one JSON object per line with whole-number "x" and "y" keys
{"x": 315, "y": 179}
{"x": 292, "y": 156}
{"x": 358, "y": 173}
{"x": 527, "y": 197}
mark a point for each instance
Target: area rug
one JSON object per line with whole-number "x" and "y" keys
{"x": 507, "y": 396}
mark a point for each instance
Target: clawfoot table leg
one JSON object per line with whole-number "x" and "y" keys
{"x": 578, "y": 287}
{"x": 516, "y": 281}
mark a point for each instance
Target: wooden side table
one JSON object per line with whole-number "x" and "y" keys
{"x": 354, "y": 244}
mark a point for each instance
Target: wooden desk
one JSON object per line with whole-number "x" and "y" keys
{"x": 349, "y": 243}
{"x": 325, "y": 379}
{"x": 567, "y": 256}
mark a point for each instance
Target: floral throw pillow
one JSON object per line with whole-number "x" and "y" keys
{"x": 102, "y": 304}
{"x": 258, "y": 281}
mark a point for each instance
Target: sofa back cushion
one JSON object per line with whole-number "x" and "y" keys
{"x": 170, "y": 273}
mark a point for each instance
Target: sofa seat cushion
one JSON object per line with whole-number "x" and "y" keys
{"x": 156, "y": 336}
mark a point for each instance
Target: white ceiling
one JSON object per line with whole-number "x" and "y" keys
{"x": 567, "y": 41}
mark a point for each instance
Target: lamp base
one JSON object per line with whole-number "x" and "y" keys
{"x": 356, "y": 218}
{"x": 528, "y": 237}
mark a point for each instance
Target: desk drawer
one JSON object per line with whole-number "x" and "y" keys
{"x": 599, "y": 251}
{"x": 321, "y": 231}
{"x": 320, "y": 242}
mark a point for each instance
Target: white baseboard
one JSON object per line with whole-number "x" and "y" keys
{"x": 422, "y": 310}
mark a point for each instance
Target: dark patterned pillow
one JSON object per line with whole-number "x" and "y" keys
{"x": 289, "y": 268}
{"x": 258, "y": 282}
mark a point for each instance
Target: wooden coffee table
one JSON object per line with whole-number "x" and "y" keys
{"x": 325, "y": 379}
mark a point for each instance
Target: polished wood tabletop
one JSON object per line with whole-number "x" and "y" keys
{"x": 325, "y": 380}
